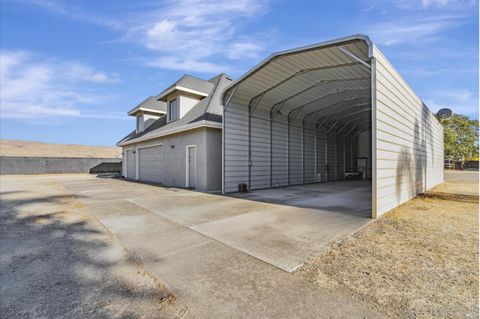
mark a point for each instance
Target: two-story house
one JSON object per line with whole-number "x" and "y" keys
{"x": 178, "y": 136}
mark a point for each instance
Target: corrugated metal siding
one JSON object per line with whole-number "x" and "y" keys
{"x": 365, "y": 149}
{"x": 309, "y": 155}
{"x": 321, "y": 154}
{"x": 296, "y": 153}
{"x": 409, "y": 154}
{"x": 260, "y": 150}
{"x": 331, "y": 157}
{"x": 279, "y": 154}
{"x": 265, "y": 153}
{"x": 348, "y": 155}
{"x": 340, "y": 158}
{"x": 235, "y": 146}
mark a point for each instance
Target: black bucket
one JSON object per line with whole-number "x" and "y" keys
{"x": 242, "y": 188}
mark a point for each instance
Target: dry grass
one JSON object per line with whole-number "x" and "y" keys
{"x": 39, "y": 149}
{"x": 418, "y": 261}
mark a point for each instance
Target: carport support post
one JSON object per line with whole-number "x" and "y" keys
{"x": 303, "y": 152}
{"x": 251, "y": 108}
{"x": 288, "y": 148}
{"x": 374, "y": 136}
{"x": 271, "y": 148}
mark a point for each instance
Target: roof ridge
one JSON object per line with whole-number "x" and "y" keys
{"x": 192, "y": 76}
{"x": 210, "y": 96}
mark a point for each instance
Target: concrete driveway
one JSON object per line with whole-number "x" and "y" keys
{"x": 282, "y": 226}
{"x": 182, "y": 237}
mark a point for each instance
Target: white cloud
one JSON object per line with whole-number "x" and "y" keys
{"x": 33, "y": 89}
{"x": 244, "y": 49}
{"x": 191, "y": 35}
{"x": 433, "y": 4}
{"x": 74, "y": 12}
{"x": 410, "y": 30}
{"x": 461, "y": 101}
{"x": 182, "y": 64}
{"x": 185, "y": 32}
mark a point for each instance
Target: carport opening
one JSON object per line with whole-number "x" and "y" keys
{"x": 308, "y": 116}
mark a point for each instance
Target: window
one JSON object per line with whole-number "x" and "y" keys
{"x": 173, "y": 110}
{"x": 139, "y": 123}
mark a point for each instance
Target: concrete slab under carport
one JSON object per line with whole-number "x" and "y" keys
{"x": 291, "y": 223}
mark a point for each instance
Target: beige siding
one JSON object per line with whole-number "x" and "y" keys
{"x": 173, "y": 165}
{"x": 409, "y": 140}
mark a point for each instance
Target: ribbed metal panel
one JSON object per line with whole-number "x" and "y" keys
{"x": 272, "y": 135}
{"x": 321, "y": 154}
{"x": 235, "y": 147}
{"x": 348, "y": 155}
{"x": 296, "y": 153}
{"x": 409, "y": 140}
{"x": 331, "y": 157}
{"x": 340, "y": 158}
{"x": 279, "y": 154}
{"x": 260, "y": 150}
{"x": 309, "y": 155}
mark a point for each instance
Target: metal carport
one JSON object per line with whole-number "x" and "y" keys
{"x": 301, "y": 116}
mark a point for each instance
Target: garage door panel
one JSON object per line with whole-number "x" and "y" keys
{"x": 150, "y": 164}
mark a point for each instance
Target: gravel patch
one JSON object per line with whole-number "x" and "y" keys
{"x": 58, "y": 261}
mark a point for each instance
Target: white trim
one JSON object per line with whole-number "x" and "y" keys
{"x": 187, "y": 166}
{"x": 135, "y": 110}
{"x": 173, "y": 130}
{"x": 152, "y": 145}
{"x": 179, "y": 88}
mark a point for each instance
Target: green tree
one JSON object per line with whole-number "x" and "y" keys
{"x": 460, "y": 137}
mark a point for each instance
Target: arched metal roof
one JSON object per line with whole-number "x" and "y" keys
{"x": 303, "y": 81}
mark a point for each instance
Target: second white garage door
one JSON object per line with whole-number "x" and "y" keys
{"x": 150, "y": 164}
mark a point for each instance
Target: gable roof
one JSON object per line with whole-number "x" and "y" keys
{"x": 207, "y": 112}
{"x": 190, "y": 84}
{"x": 150, "y": 104}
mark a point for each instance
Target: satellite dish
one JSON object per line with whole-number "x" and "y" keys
{"x": 445, "y": 112}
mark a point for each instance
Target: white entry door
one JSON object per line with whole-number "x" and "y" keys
{"x": 191, "y": 166}
{"x": 130, "y": 157}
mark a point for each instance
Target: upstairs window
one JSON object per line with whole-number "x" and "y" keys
{"x": 173, "y": 110}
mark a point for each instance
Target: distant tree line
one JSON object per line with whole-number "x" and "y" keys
{"x": 460, "y": 137}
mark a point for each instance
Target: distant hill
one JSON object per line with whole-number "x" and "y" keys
{"x": 40, "y": 149}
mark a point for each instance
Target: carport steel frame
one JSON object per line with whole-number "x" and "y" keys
{"x": 256, "y": 100}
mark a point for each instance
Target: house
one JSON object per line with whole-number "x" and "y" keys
{"x": 178, "y": 139}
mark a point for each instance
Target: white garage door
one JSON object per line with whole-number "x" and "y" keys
{"x": 130, "y": 164}
{"x": 150, "y": 164}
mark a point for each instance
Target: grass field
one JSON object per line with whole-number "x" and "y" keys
{"x": 40, "y": 149}
{"x": 418, "y": 261}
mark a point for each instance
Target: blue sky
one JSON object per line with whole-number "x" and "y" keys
{"x": 71, "y": 70}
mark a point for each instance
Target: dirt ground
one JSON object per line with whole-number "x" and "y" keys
{"x": 418, "y": 261}
{"x": 40, "y": 149}
{"x": 73, "y": 266}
